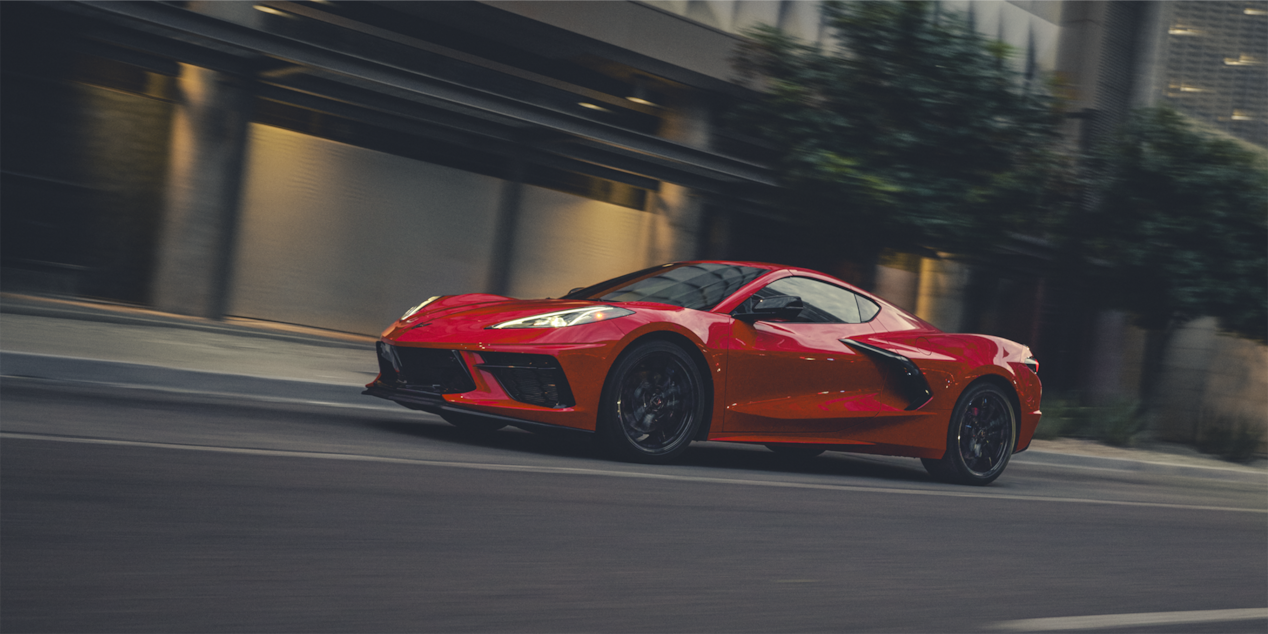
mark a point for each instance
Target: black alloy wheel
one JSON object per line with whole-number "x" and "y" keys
{"x": 980, "y": 438}
{"x": 652, "y": 404}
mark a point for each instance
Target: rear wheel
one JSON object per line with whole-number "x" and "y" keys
{"x": 470, "y": 423}
{"x": 980, "y": 438}
{"x": 653, "y": 403}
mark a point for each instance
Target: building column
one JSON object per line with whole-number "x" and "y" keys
{"x": 678, "y": 209}
{"x": 940, "y": 298}
{"x": 507, "y": 227}
{"x": 208, "y": 149}
{"x": 204, "y": 179}
{"x": 897, "y": 279}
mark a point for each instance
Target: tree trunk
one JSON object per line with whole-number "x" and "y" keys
{"x": 1151, "y": 371}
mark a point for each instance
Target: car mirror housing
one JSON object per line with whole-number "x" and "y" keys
{"x": 775, "y": 307}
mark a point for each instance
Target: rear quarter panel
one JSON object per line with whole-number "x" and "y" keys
{"x": 953, "y": 362}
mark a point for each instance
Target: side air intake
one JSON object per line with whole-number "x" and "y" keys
{"x": 535, "y": 379}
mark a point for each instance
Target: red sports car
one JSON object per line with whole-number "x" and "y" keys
{"x": 727, "y": 351}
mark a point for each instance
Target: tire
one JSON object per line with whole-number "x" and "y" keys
{"x": 796, "y": 452}
{"x": 980, "y": 438}
{"x": 472, "y": 424}
{"x": 653, "y": 402}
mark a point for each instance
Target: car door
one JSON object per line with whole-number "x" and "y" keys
{"x": 795, "y": 376}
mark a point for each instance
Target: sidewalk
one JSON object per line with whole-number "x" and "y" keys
{"x": 1156, "y": 457}
{"x": 105, "y": 343}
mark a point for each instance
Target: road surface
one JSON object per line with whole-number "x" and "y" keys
{"x": 159, "y": 510}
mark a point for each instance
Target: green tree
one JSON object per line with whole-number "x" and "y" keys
{"x": 910, "y": 131}
{"x": 1179, "y": 230}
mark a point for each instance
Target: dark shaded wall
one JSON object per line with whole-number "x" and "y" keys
{"x": 83, "y": 162}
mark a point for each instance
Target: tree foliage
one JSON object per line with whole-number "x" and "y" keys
{"x": 1180, "y": 228}
{"x": 910, "y": 131}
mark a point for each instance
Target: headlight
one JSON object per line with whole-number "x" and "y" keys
{"x": 573, "y": 317}
{"x": 419, "y": 307}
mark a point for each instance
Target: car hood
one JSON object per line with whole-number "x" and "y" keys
{"x": 473, "y": 313}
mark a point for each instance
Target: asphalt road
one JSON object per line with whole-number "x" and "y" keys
{"x": 144, "y": 510}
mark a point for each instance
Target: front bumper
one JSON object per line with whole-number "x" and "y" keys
{"x": 522, "y": 384}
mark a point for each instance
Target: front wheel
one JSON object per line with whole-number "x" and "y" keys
{"x": 653, "y": 402}
{"x": 980, "y": 438}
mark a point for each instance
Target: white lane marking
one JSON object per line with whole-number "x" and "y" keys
{"x": 609, "y": 473}
{"x": 1131, "y": 620}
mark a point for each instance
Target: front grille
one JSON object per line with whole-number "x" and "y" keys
{"x": 535, "y": 379}
{"x": 427, "y": 369}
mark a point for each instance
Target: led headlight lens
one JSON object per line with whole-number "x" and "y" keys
{"x": 409, "y": 313}
{"x": 574, "y": 317}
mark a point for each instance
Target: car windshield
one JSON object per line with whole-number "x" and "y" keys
{"x": 696, "y": 286}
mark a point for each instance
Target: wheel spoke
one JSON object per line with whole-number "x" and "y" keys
{"x": 984, "y": 431}
{"x": 657, "y": 399}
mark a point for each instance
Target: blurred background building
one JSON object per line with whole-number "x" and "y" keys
{"x": 329, "y": 163}
{"x": 1208, "y": 60}
{"x": 321, "y": 163}
{"x": 1205, "y": 59}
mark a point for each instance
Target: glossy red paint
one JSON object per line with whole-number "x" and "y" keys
{"x": 766, "y": 381}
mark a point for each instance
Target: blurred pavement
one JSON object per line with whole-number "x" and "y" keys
{"x": 100, "y": 343}
{"x": 106, "y": 343}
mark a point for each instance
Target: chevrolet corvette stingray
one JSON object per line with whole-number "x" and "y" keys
{"x": 744, "y": 352}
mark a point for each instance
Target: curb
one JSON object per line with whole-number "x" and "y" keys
{"x": 129, "y": 316}
{"x": 137, "y": 375}
{"x": 1080, "y": 461}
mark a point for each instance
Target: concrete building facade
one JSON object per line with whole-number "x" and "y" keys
{"x": 327, "y": 163}
{"x": 323, "y": 162}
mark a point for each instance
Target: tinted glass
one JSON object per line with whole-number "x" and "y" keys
{"x": 867, "y": 308}
{"x": 825, "y": 303}
{"x": 590, "y": 292}
{"x": 696, "y": 286}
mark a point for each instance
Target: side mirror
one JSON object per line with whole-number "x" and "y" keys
{"x": 777, "y": 307}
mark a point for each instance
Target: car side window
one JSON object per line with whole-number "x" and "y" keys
{"x": 867, "y": 308}
{"x": 825, "y": 303}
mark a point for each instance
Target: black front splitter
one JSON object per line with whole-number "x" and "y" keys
{"x": 435, "y": 404}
